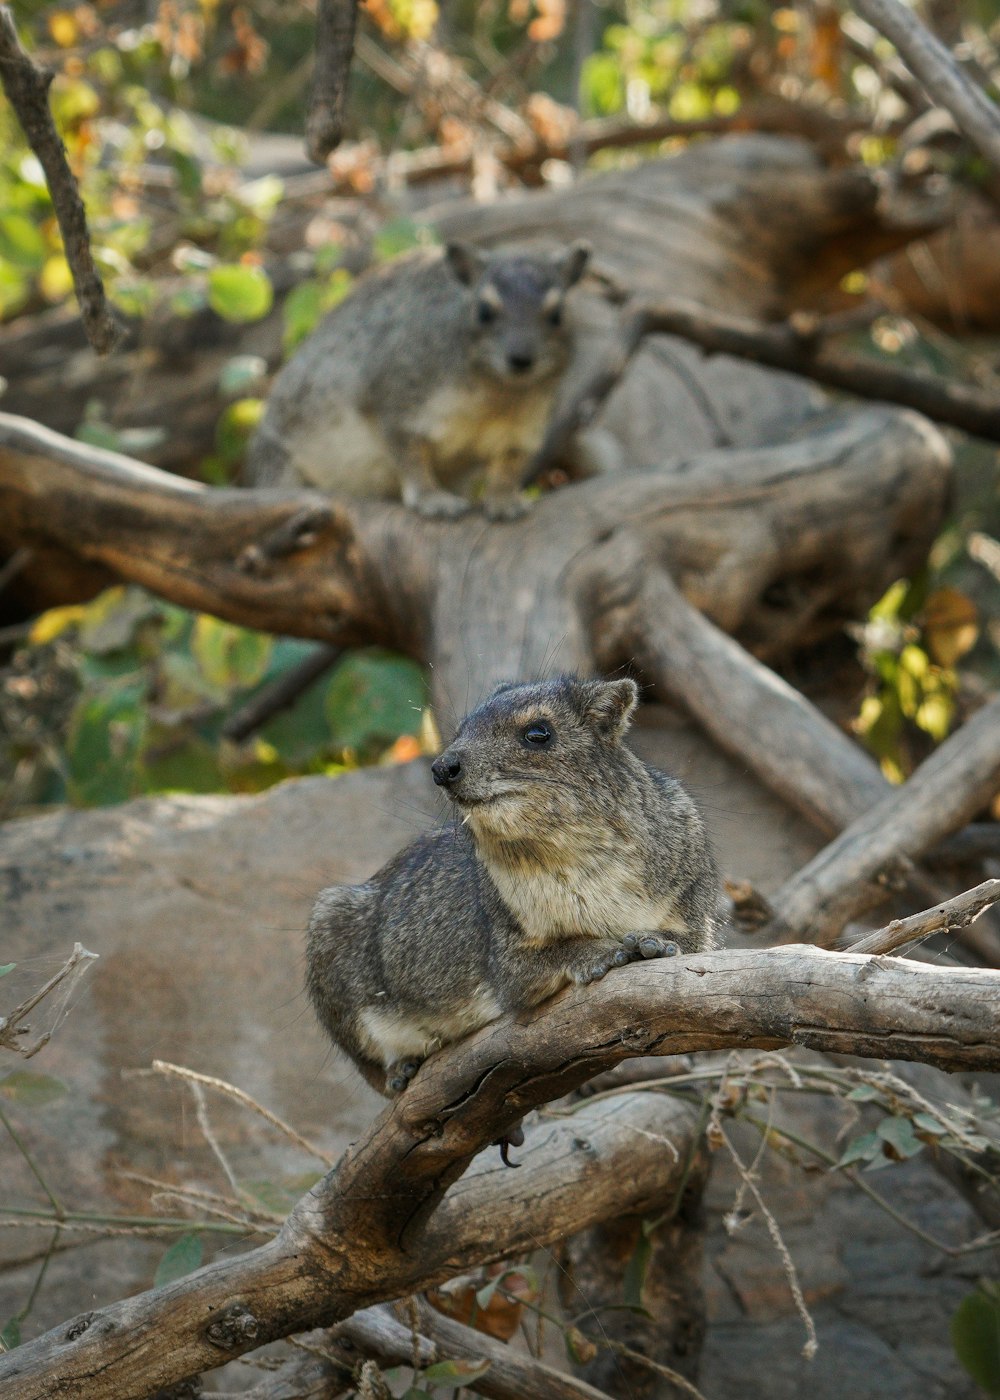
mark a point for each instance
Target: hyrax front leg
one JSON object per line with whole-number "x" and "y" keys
{"x": 586, "y": 960}
{"x": 421, "y": 491}
{"x": 502, "y": 498}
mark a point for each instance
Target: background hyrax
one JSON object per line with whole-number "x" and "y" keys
{"x": 572, "y": 857}
{"x": 438, "y": 368}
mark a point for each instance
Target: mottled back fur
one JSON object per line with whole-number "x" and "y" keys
{"x": 572, "y": 856}
{"x": 438, "y": 370}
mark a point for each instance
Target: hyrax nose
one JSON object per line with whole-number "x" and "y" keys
{"x": 445, "y": 770}
{"x": 520, "y": 362}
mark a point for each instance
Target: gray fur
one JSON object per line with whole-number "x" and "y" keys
{"x": 571, "y": 859}
{"x": 438, "y": 368}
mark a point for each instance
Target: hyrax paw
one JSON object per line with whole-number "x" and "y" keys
{"x": 506, "y": 507}
{"x": 399, "y": 1074}
{"x": 648, "y": 945}
{"x": 441, "y": 505}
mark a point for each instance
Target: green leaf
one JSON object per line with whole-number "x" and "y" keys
{"x": 11, "y": 1334}
{"x": 230, "y": 657}
{"x": 237, "y": 292}
{"x": 861, "y": 1149}
{"x": 183, "y": 1257}
{"x": 373, "y": 698}
{"x": 457, "y": 1372}
{"x": 975, "y": 1335}
{"x": 636, "y": 1270}
{"x": 235, "y": 428}
{"x": 105, "y": 736}
{"x": 579, "y": 1348}
{"x": 864, "y": 1093}
{"x": 21, "y": 242}
{"x": 898, "y": 1135}
{"x": 30, "y": 1090}
{"x": 7, "y": 967}
{"x": 110, "y": 622}
{"x": 927, "y": 1124}
{"x": 399, "y": 236}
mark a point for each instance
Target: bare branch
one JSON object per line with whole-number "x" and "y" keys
{"x": 852, "y": 873}
{"x": 394, "y": 1215}
{"x": 27, "y": 86}
{"x": 931, "y": 62}
{"x": 11, "y": 1027}
{"x": 948, "y": 917}
{"x": 335, "y": 24}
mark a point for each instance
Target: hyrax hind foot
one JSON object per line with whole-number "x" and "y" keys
{"x": 399, "y": 1074}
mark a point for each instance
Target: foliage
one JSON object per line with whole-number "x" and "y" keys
{"x": 975, "y": 1333}
{"x": 128, "y": 695}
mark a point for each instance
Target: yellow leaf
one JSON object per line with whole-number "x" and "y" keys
{"x": 55, "y": 621}
{"x": 63, "y": 28}
{"x": 55, "y": 279}
{"x": 951, "y": 625}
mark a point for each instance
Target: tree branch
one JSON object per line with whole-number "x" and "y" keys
{"x": 849, "y": 875}
{"x": 949, "y": 917}
{"x": 931, "y": 62}
{"x": 394, "y": 1215}
{"x": 335, "y": 25}
{"x": 27, "y": 86}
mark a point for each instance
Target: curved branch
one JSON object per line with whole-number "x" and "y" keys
{"x": 394, "y": 1216}
{"x": 335, "y": 23}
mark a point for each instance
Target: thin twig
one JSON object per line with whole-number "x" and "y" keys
{"x": 241, "y": 1096}
{"x": 27, "y": 86}
{"x": 949, "y": 917}
{"x": 10, "y": 1028}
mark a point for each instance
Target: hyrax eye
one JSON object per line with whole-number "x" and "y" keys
{"x": 537, "y": 734}
{"x": 486, "y": 313}
{"x": 555, "y": 316}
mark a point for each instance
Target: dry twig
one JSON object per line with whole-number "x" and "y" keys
{"x": 26, "y": 86}
{"x": 335, "y": 24}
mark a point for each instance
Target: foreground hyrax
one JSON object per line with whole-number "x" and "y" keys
{"x": 438, "y": 369}
{"x": 573, "y": 857}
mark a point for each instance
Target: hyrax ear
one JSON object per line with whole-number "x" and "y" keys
{"x": 570, "y": 265}
{"x": 610, "y": 706}
{"x": 466, "y": 262}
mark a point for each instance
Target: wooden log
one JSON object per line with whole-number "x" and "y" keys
{"x": 844, "y": 879}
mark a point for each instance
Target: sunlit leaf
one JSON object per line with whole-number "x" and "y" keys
{"x": 237, "y": 292}
{"x": 21, "y": 242}
{"x": 457, "y": 1372}
{"x": 579, "y": 1347}
{"x": 54, "y": 622}
{"x": 230, "y": 657}
{"x": 183, "y": 1257}
{"x": 951, "y": 625}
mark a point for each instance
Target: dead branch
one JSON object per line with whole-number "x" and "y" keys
{"x": 949, "y": 917}
{"x": 12, "y": 1026}
{"x": 27, "y": 87}
{"x": 804, "y": 351}
{"x": 397, "y": 1215}
{"x": 852, "y": 873}
{"x": 335, "y": 25}
{"x": 930, "y": 61}
{"x": 378, "y": 1333}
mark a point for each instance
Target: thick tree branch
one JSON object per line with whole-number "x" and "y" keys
{"x": 27, "y": 86}
{"x": 929, "y": 60}
{"x": 397, "y": 1214}
{"x": 335, "y": 25}
{"x": 795, "y": 346}
{"x": 849, "y": 875}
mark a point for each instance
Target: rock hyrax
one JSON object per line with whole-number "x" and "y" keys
{"x": 436, "y": 373}
{"x": 572, "y": 857}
